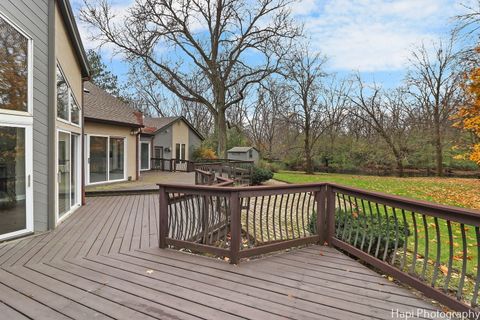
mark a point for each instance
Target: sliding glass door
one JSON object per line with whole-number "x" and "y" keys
{"x": 15, "y": 180}
{"x": 106, "y": 159}
{"x": 68, "y": 172}
{"x": 98, "y": 159}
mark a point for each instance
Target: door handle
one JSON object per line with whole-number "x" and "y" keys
{"x": 28, "y": 180}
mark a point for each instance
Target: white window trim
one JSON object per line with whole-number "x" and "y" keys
{"x": 87, "y": 160}
{"x": 71, "y": 97}
{"x": 77, "y": 203}
{"x": 28, "y": 182}
{"x": 140, "y": 155}
{"x": 23, "y": 119}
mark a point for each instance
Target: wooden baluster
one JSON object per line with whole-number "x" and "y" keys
{"x": 235, "y": 227}
{"x": 330, "y": 215}
{"x": 163, "y": 218}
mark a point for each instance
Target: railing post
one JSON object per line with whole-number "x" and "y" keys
{"x": 163, "y": 218}
{"x": 330, "y": 214}
{"x": 321, "y": 222}
{"x": 235, "y": 227}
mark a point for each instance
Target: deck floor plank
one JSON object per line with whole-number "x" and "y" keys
{"x": 103, "y": 262}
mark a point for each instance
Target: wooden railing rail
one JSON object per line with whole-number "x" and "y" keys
{"x": 204, "y": 177}
{"x": 433, "y": 248}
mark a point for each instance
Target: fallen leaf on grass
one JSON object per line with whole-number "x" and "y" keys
{"x": 444, "y": 269}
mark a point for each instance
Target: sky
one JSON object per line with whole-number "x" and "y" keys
{"x": 372, "y": 37}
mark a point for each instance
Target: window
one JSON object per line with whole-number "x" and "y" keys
{"x": 180, "y": 151}
{"x": 62, "y": 97}
{"x": 145, "y": 155}
{"x": 16, "y": 146}
{"x": 250, "y": 153}
{"x": 67, "y": 107}
{"x": 107, "y": 159}
{"x": 158, "y": 152}
{"x": 14, "y": 70}
{"x": 75, "y": 111}
{"x": 177, "y": 151}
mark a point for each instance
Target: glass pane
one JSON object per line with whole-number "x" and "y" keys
{"x": 75, "y": 111}
{"x": 158, "y": 152}
{"x": 177, "y": 151}
{"x": 64, "y": 170}
{"x": 74, "y": 169}
{"x": 183, "y": 152}
{"x": 116, "y": 158}
{"x": 62, "y": 96}
{"x": 12, "y": 180}
{"x": 13, "y": 68}
{"x": 98, "y": 159}
{"x": 144, "y": 156}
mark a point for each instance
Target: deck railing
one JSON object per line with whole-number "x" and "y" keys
{"x": 239, "y": 171}
{"x": 173, "y": 165}
{"x": 433, "y": 248}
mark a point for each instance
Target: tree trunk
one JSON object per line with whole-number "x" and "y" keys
{"x": 308, "y": 153}
{"x": 400, "y": 167}
{"x": 221, "y": 128}
{"x": 438, "y": 151}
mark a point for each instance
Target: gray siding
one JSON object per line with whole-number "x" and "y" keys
{"x": 244, "y": 156}
{"x": 32, "y": 17}
{"x": 194, "y": 141}
{"x": 164, "y": 139}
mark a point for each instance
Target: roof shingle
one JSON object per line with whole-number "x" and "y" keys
{"x": 99, "y": 105}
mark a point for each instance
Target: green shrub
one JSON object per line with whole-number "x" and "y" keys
{"x": 261, "y": 175}
{"x": 375, "y": 230}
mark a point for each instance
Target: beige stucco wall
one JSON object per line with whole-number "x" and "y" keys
{"x": 180, "y": 135}
{"x": 93, "y": 128}
{"x": 66, "y": 56}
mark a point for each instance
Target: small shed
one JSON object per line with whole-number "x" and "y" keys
{"x": 244, "y": 154}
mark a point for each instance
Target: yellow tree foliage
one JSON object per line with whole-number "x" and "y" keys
{"x": 469, "y": 114}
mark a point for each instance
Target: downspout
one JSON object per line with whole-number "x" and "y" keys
{"x": 51, "y": 141}
{"x": 82, "y": 139}
{"x": 137, "y": 157}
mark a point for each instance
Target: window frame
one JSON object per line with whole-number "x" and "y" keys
{"x": 140, "y": 155}
{"x": 88, "y": 156}
{"x": 71, "y": 98}
{"x": 30, "y": 60}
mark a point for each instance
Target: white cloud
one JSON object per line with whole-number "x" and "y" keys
{"x": 375, "y": 35}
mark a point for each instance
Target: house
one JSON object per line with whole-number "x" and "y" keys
{"x": 112, "y": 132}
{"x": 42, "y": 70}
{"x": 167, "y": 138}
{"x": 244, "y": 154}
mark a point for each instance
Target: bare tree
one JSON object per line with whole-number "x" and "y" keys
{"x": 149, "y": 96}
{"x": 435, "y": 78}
{"x": 304, "y": 72}
{"x": 264, "y": 120}
{"x": 217, "y": 38}
{"x": 384, "y": 112}
{"x": 335, "y": 97}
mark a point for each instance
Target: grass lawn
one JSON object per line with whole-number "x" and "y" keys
{"x": 450, "y": 191}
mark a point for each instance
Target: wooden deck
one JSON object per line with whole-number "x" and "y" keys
{"x": 103, "y": 263}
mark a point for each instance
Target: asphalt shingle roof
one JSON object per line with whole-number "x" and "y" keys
{"x": 154, "y": 124}
{"x": 100, "y": 105}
